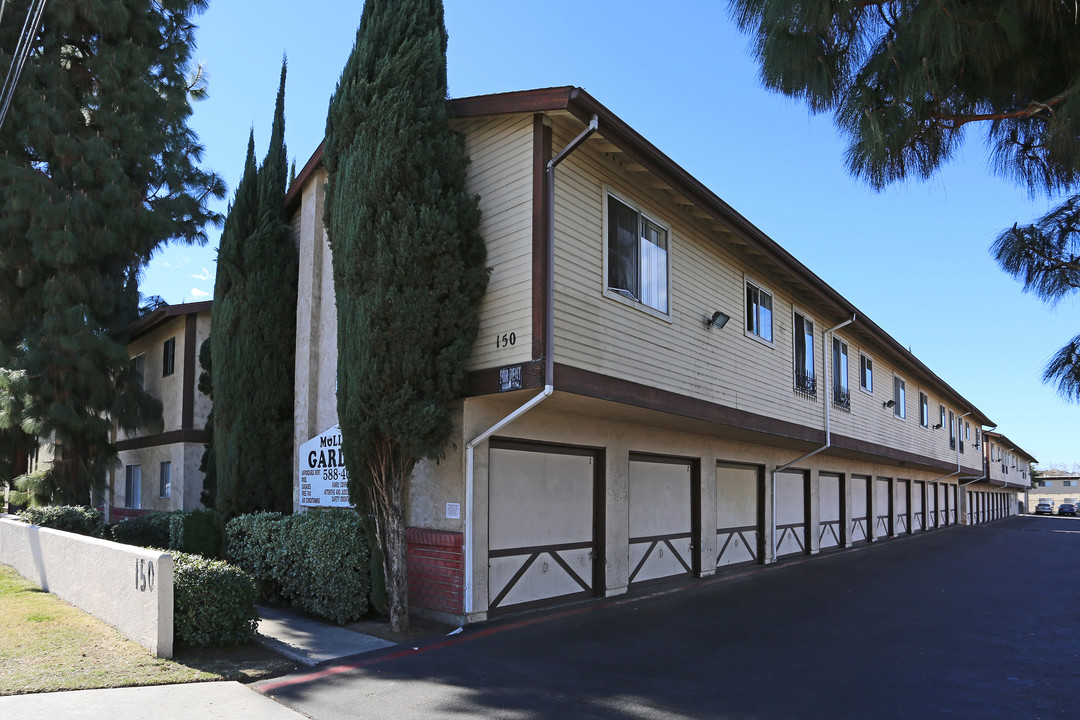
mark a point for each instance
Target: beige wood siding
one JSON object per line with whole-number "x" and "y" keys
{"x": 500, "y": 172}
{"x": 675, "y": 352}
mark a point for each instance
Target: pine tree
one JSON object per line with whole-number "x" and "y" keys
{"x": 904, "y": 82}
{"x": 408, "y": 261}
{"x": 98, "y": 169}
{"x": 254, "y": 337}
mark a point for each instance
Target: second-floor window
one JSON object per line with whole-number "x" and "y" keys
{"x": 168, "y": 358}
{"x": 866, "y": 373}
{"x": 758, "y": 312}
{"x": 952, "y": 431}
{"x": 841, "y": 394}
{"x": 637, "y": 256}
{"x": 899, "y": 398}
{"x": 805, "y": 380}
{"x": 138, "y": 366}
{"x": 924, "y": 410}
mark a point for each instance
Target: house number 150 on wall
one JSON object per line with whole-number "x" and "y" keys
{"x": 505, "y": 340}
{"x": 144, "y": 575}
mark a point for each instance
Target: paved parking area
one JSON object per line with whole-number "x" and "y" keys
{"x": 963, "y": 622}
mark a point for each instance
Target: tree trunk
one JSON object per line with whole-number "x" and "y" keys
{"x": 389, "y": 477}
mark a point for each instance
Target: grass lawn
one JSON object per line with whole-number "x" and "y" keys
{"x": 48, "y": 645}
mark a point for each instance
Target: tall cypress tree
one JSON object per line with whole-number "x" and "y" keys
{"x": 409, "y": 269}
{"x": 254, "y": 337}
{"x": 97, "y": 170}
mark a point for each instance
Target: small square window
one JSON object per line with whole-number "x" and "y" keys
{"x": 168, "y": 358}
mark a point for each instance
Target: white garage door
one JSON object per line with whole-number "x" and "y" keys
{"x": 918, "y": 495}
{"x": 829, "y": 502}
{"x": 790, "y": 514}
{"x": 660, "y": 518}
{"x": 541, "y": 535}
{"x": 860, "y": 509}
{"x": 882, "y": 510}
{"x": 903, "y": 491}
{"x": 738, "y": 502}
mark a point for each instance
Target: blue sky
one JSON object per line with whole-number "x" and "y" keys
{"x": 914, "y": 258}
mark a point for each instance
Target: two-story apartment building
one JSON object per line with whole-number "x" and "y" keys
{"x": 161, "y": 471}
{"x": 658, "y": 389}
{"x": 1006, "y": 479}
{"x": 1054, "y": 488}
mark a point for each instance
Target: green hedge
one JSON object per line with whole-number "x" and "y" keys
{"x": 70, "y": 518}
{"x": 214, "y": 602}
{"x": 195, "y": 531}
{"x": 317, "y": 561}
{"x": 150, "y": 530}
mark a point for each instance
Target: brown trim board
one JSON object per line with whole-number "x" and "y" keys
{"x": 602, "y": 387}
{"x": 166, "y": 438}
{"x": 541, "y": 156}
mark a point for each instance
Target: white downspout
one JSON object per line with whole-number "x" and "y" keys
{"x": 827, "y": 351}
{"x": 549, "y": 357}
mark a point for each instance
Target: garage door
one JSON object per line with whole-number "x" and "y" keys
{"x": 660, "y": 518}
{"x": 860, "y": 509}
{"x": 738, "y": 515}
{"x": 903, "y": 492}
{"x": 541, "y": 524}
{"x": 883, "y": 510}
{"x": 791, "y": 488}
{"x": 918, "y": 514}
{"x": 829, "y": 515}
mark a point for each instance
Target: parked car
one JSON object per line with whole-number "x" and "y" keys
{"x": 1067, "y": 509}
{"x": 1044, "y": 508}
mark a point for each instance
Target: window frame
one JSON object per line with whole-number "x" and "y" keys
{"x": 841, "y": 389}
{"x": 133, "y": 486}
{"x": 138, "y": 366}
{"x": 952, "y": 431}
{"x": 899, "y": 398}
{"x": 807, "y": 385}
{"x": 624, "y": 296}
{"x": 748, "y": 284}
{"x": 165, "y": 479}
{"x": 864, "y": 361}
{"x": 168, "y": 357}
{"x": 924, "y": 410}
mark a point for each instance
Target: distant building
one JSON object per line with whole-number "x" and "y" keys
{"x": 1054, "y": 489}
{"x": 161, "y": 471}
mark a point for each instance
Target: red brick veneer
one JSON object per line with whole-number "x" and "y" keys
{"x": 436, "y": 567}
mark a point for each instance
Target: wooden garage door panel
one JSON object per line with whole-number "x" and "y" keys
{"x": 539, "y": 499}
{"x": 790, "y": 513}
{"x": 829, "y": 510}
{"x": 860, "y": 486}
{"x": 540, "y": 526}
{"x": 660, "y": 520}
{"x": 737, "y": 515}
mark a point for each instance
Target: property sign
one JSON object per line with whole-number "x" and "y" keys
{"x": 324, "y": 481}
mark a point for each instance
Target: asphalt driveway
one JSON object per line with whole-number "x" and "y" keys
{"x": 979, "y": 622}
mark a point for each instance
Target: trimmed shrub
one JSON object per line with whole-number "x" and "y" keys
{"x": 317, "y": 561}
{"x": 250, "y": 544}
{"x": 195, "y": 531}
{"x": 214, "y": 602}
{"x": 70, "y": 518}
{"x": 150, "y": 530}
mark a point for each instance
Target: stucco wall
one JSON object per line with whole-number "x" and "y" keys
{"x": 129, "y": 588}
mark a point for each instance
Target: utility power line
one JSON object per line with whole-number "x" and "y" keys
{"x": 22, "y": 51}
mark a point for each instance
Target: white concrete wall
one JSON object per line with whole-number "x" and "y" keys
{"x": 127, "y": 587}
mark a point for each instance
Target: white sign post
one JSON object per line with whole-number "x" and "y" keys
{"x": 324, "y": 481}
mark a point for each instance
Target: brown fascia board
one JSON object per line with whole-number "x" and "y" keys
{"x": 158, "y": 317}
{"x": 1006, "y": 441}
{"x": 583, "y": 106}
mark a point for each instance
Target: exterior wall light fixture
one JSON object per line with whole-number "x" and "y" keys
{"x": 718, "y": 320}
{"x": 888, "y": 404}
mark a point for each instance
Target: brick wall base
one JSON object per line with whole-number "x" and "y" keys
{"x": 436, "y": 567}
